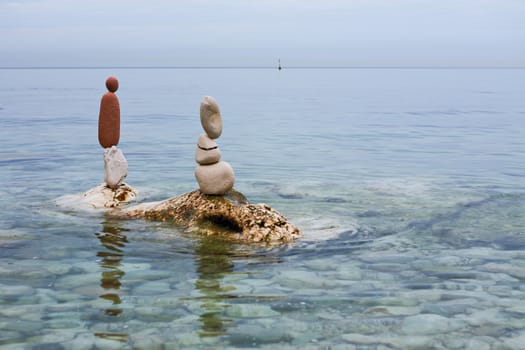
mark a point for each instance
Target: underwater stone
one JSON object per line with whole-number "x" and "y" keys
{"x": 300, "y": 279}
{"x": 215, "y": 179}
{"x": 251, "y": 311}
{"x": 152, "y": 288}
{"x": 109, "y": 116}
{"x": 211, "y": 119}
{"x": 516, "y": 342}
{"x": 15, "y": 291}
{"x": 115, "y": 167}
{"x": 427, "y": 324}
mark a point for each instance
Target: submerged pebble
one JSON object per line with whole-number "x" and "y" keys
{"x": 152, "y": 288}
{"x": 429, "y": 324}
{"x": 251, "y": 311}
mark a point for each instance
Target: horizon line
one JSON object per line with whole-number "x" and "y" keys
{"x": 261, "y": 67}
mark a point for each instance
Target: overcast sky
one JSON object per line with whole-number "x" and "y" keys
{"x": 258, "y": 32}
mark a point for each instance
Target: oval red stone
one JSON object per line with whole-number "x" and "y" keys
{"x": 109, "y": 120}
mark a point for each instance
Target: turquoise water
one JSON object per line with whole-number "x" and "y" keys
{"x": 408, "y": 184}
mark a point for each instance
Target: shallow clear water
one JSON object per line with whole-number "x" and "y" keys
{"x": 408, "y": 184}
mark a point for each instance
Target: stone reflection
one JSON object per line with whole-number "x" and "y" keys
{"x": 213, "y": 259}
{"x": 111, "y": 256}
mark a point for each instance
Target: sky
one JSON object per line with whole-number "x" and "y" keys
{"x": 331, "y": 33}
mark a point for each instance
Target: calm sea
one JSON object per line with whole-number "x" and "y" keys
{"x": 409, "y": 185}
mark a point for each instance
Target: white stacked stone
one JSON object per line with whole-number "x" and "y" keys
{"x": 115, "y": 167}
{"x": 207, "y": 151}
{"x": 213, "y": 175}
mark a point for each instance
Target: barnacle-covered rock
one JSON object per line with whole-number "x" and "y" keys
{"x": 231, "y": 215}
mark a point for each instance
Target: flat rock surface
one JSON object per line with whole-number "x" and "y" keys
{"x": 230, "y": 216}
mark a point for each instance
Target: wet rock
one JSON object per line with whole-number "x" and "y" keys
{"x": 230, "y": 216}
{"x": 104, "y": 197}
{"x": 215, "y": 179}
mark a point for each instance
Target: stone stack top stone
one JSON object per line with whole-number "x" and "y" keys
{"x": 211, "y": 119}
{"x": 109, "y": 117}
{"x": 112, "y": 84}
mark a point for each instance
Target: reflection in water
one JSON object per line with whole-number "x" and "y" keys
{"x": 112, "y": 255}
{"x": 213, "y": 258}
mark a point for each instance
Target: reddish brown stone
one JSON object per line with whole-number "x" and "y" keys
{"x": 112, "y": 84}
{"x": 109, "y": 120}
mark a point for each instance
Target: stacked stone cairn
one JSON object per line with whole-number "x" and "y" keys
{"x": 115, "y": 164}
{"x": 216, "y": 208}
{"x": 215, "y": 177}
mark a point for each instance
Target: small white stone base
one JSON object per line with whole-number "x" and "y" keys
{"x": 115, "y": 167}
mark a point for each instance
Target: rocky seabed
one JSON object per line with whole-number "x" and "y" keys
{"x": 471, "y": 299}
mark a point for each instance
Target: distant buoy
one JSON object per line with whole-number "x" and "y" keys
{"x": 279, "y": 67}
